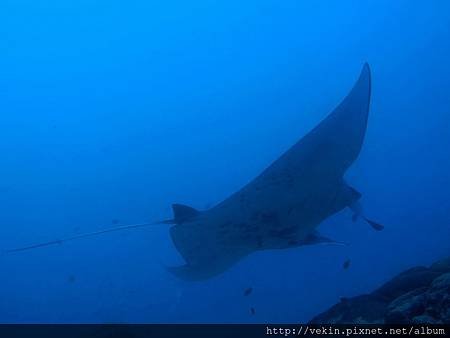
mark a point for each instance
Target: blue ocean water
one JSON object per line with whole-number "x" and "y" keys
{"x": 111, "y": 111}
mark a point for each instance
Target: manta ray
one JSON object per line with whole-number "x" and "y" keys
{"x": 282, "y": 207}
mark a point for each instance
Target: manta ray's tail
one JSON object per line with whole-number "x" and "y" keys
{"x": 181, "y": 213}
{"x": 85, "y": 235}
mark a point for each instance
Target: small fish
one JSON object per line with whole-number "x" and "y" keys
{"x": 115, "y": 221}
{"x": 71, "y": 279}
{"x": 252, "y": 311}
{"x": 346, "y": 264}
{"x": 248, "y": 291}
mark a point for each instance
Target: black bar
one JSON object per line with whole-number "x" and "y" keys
{"x": 218, "y": 331}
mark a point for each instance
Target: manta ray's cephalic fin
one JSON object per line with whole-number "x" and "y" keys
{"x": 375, "y": 225}
{"x": 316, "y": 238}
{"x": 357, "y": 209}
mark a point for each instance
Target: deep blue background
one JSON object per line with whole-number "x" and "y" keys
{"x": 116, "y": 109}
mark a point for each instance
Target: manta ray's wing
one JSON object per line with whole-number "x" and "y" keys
{"x": 333, "y": 145}
{"x": 206, "y": 248}
{"x": 346, "y": 126}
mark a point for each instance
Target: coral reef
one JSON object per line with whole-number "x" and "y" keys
{"x": 418, "y": 295}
